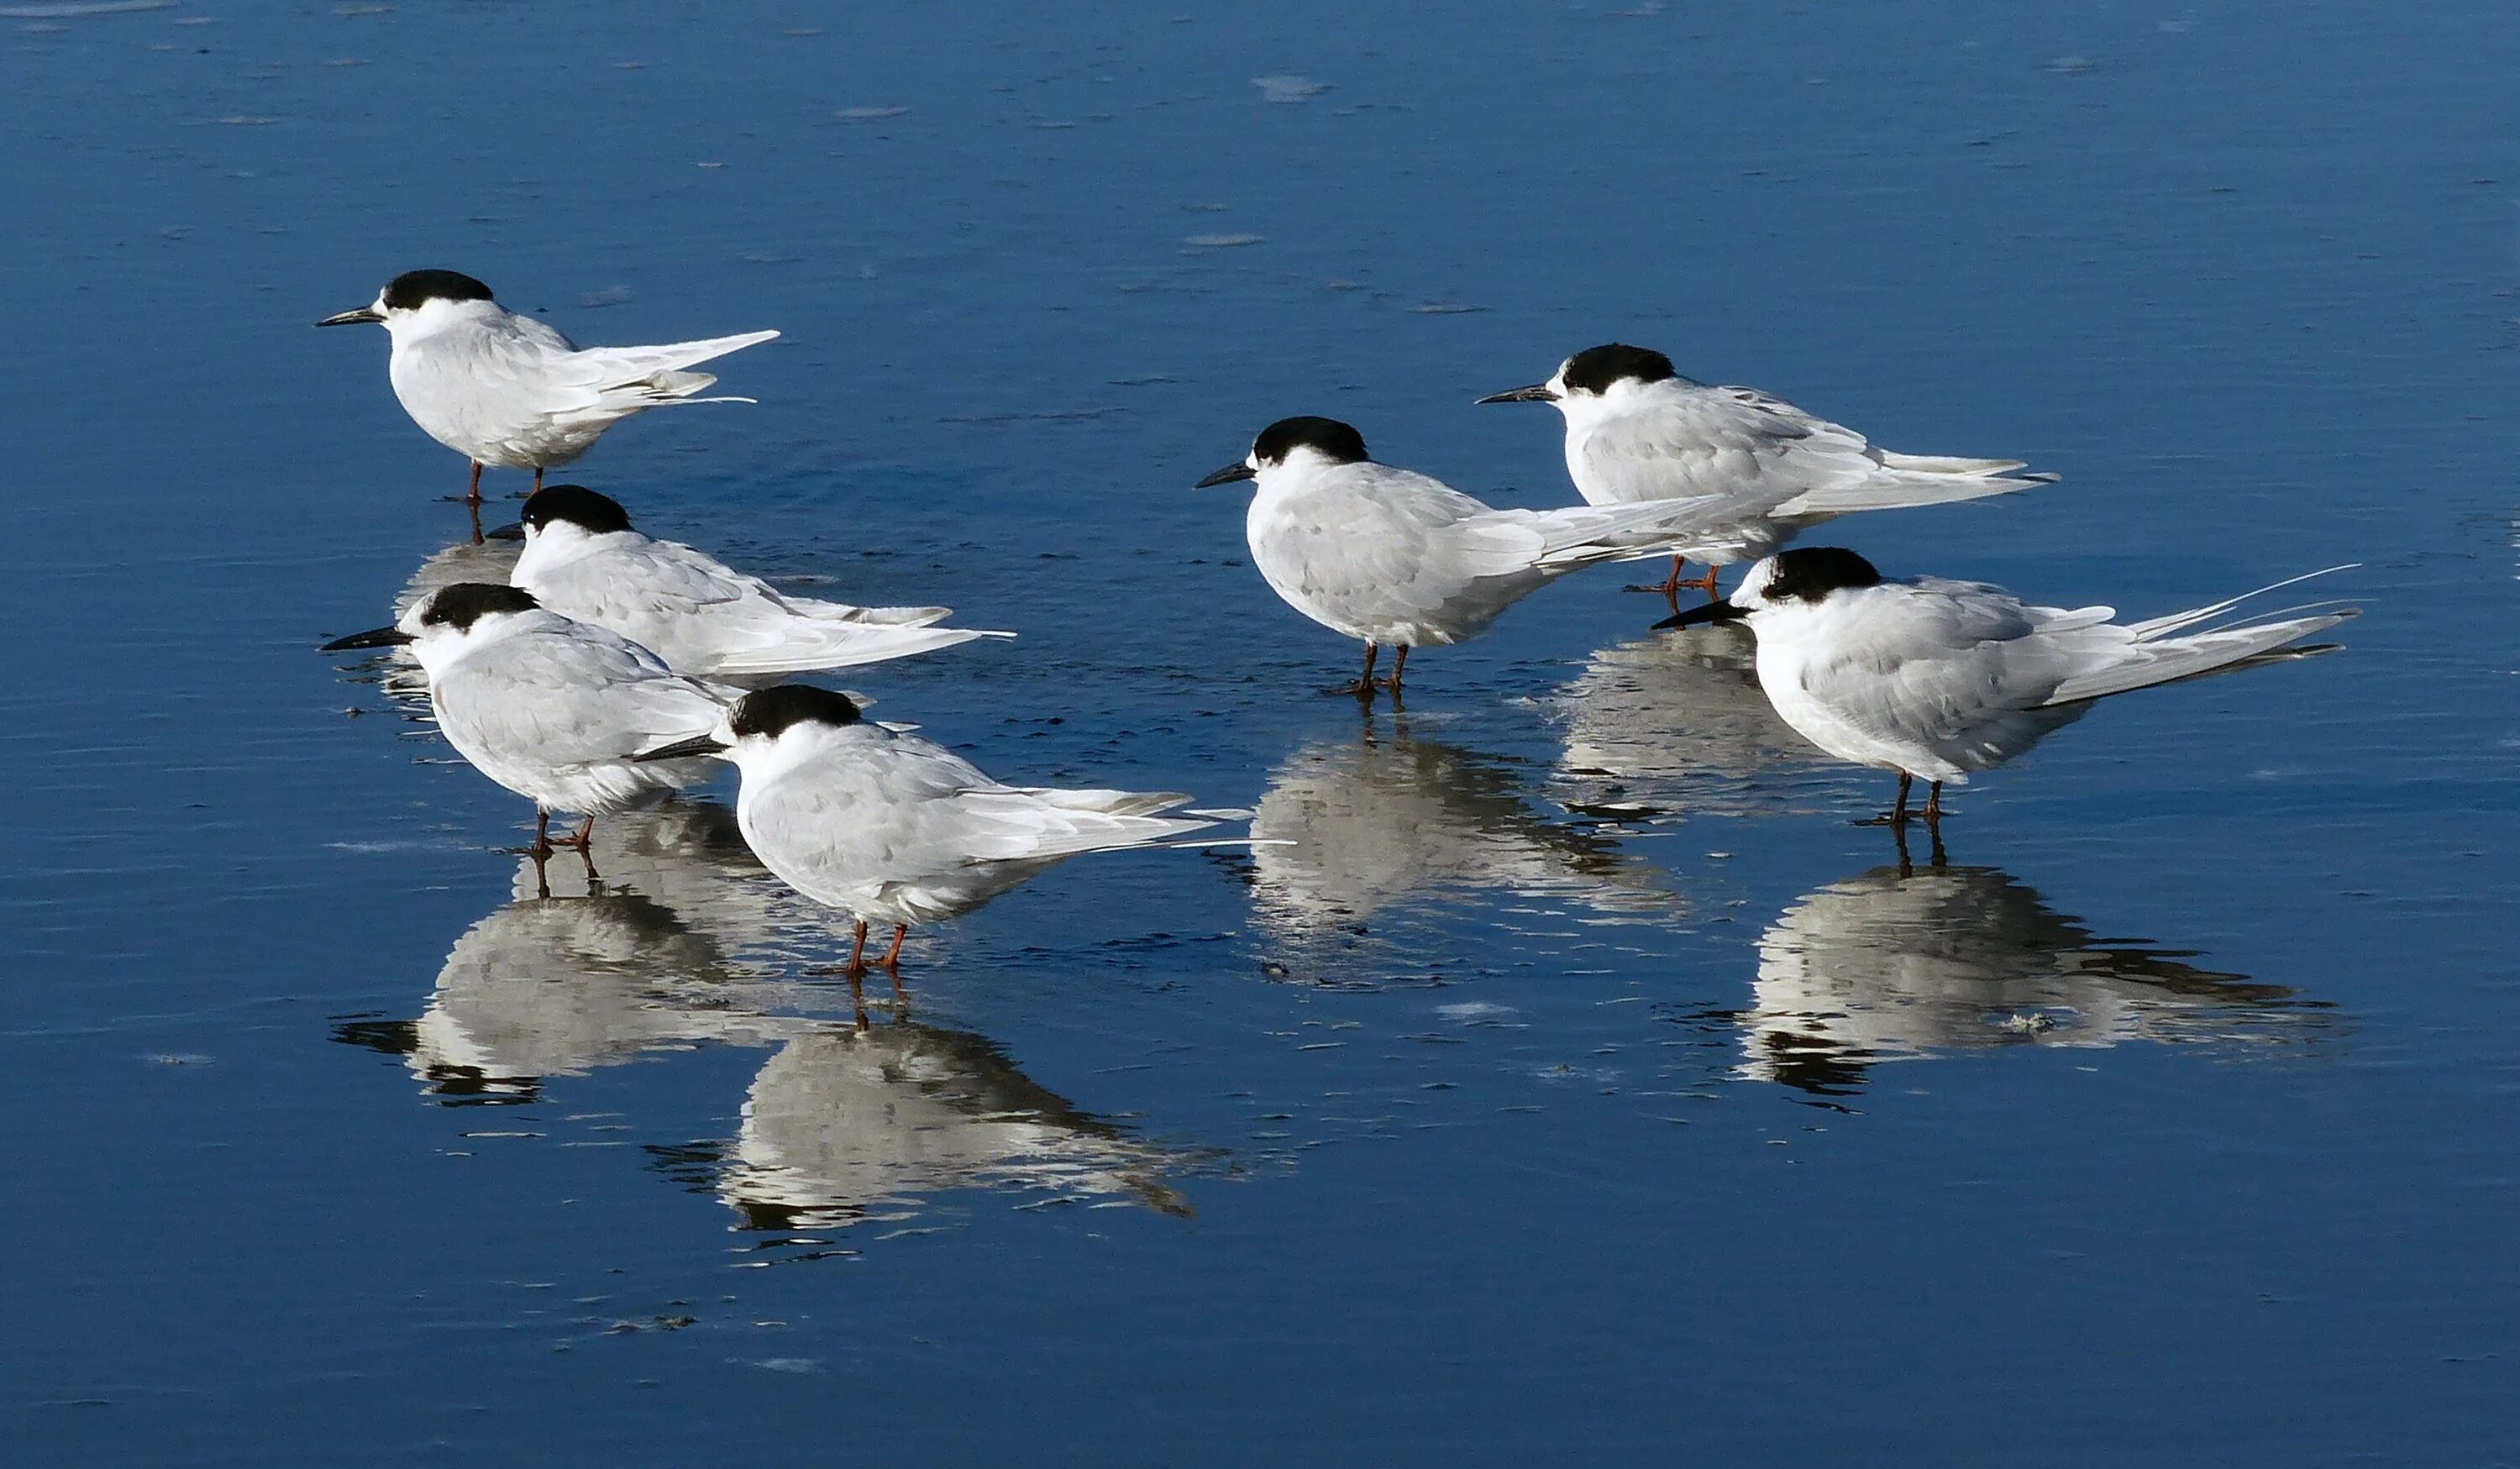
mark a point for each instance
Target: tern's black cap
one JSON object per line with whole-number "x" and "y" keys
{"x": 1329, "y": 437}
{"x": 1595, "y": 369}
{"x": 1808, "y": 573}
{"x": 769, "y": 711}
{"x": 464, "y": 603}
{"x": 414, "y": 288}
{"x": 598, "y": 514}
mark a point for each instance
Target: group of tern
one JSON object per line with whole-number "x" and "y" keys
{"x": 612, "y": 668}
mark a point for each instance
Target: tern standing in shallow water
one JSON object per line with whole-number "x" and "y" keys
{"x": 703, "y": 617}
{"x": 1391, "y": 557}
{"x": 554, "y": 709}
{"x": 506, "y": 390}
{"x": 1636, "y": 430}
{"x": 1939, "y": 679}
{"x": 891, "y": 829}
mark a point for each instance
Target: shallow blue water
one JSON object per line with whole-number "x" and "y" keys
{"x": 1632, "y": 1108}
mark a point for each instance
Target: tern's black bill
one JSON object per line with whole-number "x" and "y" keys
{"x": 352, "y": 318}
{"x": 1713, "y": 611}
{"x": 384, "y": 637}
{"x": 1227, "y": 475}
{"x": 513, "y": 530}
{"x": 697, "y": 744}
{"x": 1538, "y": 392}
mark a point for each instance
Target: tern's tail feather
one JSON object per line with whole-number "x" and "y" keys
{"x": 1042, "y": 823}
{"x": 629, "y": 379}
{"x": 1945, "y": 463}
{"x": 809, "y": 646}
{"x": 2155, "y": 658}
{"x": 2159, "y": 627}
{"x": 1116, "y": 802}
{"x": 842, "y": 612}
{"x": 1583, "y": 535}
{"x": 1909, "y": 480}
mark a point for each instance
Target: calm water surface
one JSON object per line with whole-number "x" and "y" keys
{"x": 1582, "y": 1084}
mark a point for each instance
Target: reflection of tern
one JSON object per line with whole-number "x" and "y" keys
{"x": 1676, "y": 722}
{"x": 847, "y": 1124}
{"x": 840, "y": 1120}
{"x": 1356, "y": 825}
{"x": 690, "y": 856}
{"x": 561, "y": 986}
{"x": 1901, "y": 963}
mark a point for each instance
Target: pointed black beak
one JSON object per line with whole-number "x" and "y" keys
{"x": 697, "y": 744}
{"x": 1538, "y": 392}
{"x": 352, "y": 318}
{"x": 513, "y": 530}
{"x": 1226, "y": 476}
{"x": 1713, "y": 611}
{"x": 384, "y": 637}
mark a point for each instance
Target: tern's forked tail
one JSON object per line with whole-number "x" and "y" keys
{"x": 2162, "y": 650}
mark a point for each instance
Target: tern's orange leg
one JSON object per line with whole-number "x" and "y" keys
{"x": 1362, "y": 687}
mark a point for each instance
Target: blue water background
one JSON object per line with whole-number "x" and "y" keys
{"x": 1499, "y": 1171}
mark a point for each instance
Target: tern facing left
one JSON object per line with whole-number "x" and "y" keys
{"x": 703, "y": 617}
{"x": 1939, "y": 679}
{"x": 503, "y": 390}
{"x": 1636, "y": 430}
{"x": 554, "y": 709}
{"x": 891, "y": 829}
{"x": 1387, "y": 555}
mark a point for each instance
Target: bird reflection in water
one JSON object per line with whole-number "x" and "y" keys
{"x": 1905, "y": 963}
{"x": 1677, "y": 723}
{"x": 848, "y": 1125}
{"x": 847, "y": 1119}
{"x": 1348, "y": 826}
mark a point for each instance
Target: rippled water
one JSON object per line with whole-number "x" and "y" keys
{"x": 1582, "y": 1084}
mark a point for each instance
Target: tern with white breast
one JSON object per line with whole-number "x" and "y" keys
{"x": 554, "y": 709}
{"x": 892, "y": 828}
{"x": 703, "y": 617}
{"x": 1636, "y": 430}
{"x": 1391, "y": 557}
{"x": 504, "y": 389}
{"x": 1938, "y": 679}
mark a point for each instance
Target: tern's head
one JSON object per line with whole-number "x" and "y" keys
{"x": 1595, "y": 378}
{"x": 1300, "y": 444}
{"x": 447, "y": 621}
{"x": 420, "y": 301}
{"x": 569, "y": 511}
{"x": 1804, "y": 577}
{"x": 768, "y": 725}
